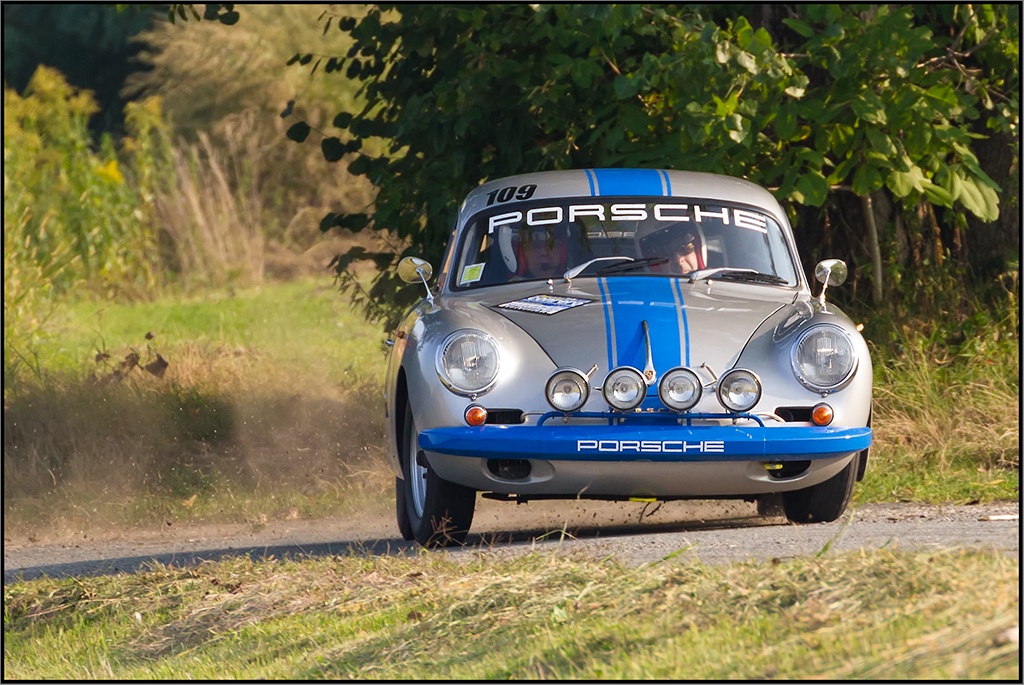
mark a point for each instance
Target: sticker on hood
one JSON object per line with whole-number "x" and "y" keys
{"x": 544, "y": 304}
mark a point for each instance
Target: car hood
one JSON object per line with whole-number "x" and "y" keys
{"x": 601, "y": 321}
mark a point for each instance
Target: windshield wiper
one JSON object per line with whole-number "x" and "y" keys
{"x": 629, "y": 266}
{"x": 733, "y": 274}
{"x": 577, "y": 270}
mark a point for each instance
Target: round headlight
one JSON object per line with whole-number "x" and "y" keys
{"x": 567, "y": 390}
{"x": 739, "y": 390}
{"x": 680, "y": 389}
{"x": 823, "y": 358}
{"x": 625, "y": 388}
{"x": 467, "y": 362}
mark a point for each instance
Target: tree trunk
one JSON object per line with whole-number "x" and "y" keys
{"x": 877, "y": 283}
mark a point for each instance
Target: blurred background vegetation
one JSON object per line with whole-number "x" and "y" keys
{"x": 147, "y": 169}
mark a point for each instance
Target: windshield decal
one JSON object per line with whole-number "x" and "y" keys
{"x": 544, "y": 304}
{"x": 667, "y": 212}
{"x": 472, "y": 273}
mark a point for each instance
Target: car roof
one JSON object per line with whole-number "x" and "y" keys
{"x": 590, "y": 183}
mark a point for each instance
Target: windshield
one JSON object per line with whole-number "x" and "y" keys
{"x": 667, "y": 237}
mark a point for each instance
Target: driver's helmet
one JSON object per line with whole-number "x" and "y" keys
{"x": 515, "y": 244}
{"x": 673, "y": 239}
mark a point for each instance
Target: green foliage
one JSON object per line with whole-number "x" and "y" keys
{"x": 831, "y": 100}
{"x": 90, "y": 43}
{"x": 72, "y": 221}
{"x": 73, "y": 198}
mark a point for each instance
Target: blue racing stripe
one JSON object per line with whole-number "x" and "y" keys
{"x": 590, "y": 179}
{"x": 628, "y": 182}
{"x": 631, "y": 301}
{"x": 677, "y": 284}
{"x": 668, "y": 183}
{"x": 608, "y": 335}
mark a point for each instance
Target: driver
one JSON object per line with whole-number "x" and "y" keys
{"x": 681, "y": 249}
{"x": 686, "y": 255}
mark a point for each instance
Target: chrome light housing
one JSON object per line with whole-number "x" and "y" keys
{"x": 567, "y": 390}
{"x": 625, "y": 388}
{"x": 739, "y": 390}
{"x": 823, "y": 358}
{"x": 467, "y": 362}
{"x": 680, "y": 389}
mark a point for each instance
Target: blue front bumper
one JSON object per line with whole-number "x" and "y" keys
{"x": 667, "y": 443}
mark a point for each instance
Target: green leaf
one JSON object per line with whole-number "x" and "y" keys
{"x": 747, "y": 61}
{"x": 869, "y": 108}
{"x": 814, "y": 188}
{"x": 800, "y": 26}
{"x": 298, "y": 132}
{"x": 786, "y": 122}
{"x": 937, "y": 194}
{"x": 841, "y": 172}
{"x": 901, "y": 183}
{"x": 866, "y": 180}
{"x": 332, "y": 148}
{"x": 743, "y": 32}
{"x": 981, "y": 201}
{"x": 624, "y": 87}
{"x": 229, "y": 18}
{"x": 878, "y": 159}
{"x": 880, "y": 142}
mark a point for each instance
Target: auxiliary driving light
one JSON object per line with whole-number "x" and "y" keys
{"x": 739, "y": 390}
{"x": 625, "y": 388}
{"x": 680, "y": 389}
{"x": 567, "y": 390}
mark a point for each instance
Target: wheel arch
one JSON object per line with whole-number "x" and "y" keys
{"x": 398, "y": 418}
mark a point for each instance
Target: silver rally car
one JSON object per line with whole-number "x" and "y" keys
{"x": 621, "y": 334}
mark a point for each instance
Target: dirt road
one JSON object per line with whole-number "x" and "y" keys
{"x": 710, "y": 532}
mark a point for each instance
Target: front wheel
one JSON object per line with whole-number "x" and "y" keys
{"x": 438, "y": 512}
{"x": 823, "y": 502}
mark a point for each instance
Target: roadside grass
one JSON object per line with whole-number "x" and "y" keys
{"x": 268, "y": 408}
{"x": 946, "y": 417}
{"x": 884, "y": 614}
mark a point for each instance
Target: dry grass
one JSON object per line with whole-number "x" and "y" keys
{"x": 861, "y": 615}
{"x": 269, "y": 406}
{"x": 215, "y": 230}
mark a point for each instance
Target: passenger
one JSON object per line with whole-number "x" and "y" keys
{"x": 542, "y": 254}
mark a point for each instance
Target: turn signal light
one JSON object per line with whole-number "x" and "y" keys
{"x": 476, "y": 415}
{"x": 821, "y": 414}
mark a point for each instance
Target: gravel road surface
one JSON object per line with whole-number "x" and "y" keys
{"x": 709, "y": 532}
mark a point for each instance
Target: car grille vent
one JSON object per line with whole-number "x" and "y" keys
{"x": 794, "y": 413}
{"x": 505, "y": 417}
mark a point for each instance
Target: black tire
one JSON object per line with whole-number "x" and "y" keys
{"x": 402, "y": 511}
{"x": 439, "y": 513}
{"x": 823, "y": 502}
